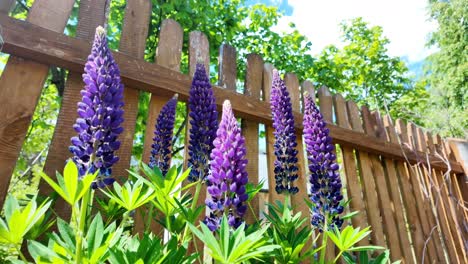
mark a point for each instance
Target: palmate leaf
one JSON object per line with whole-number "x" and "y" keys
{"x": 131, "y": 196}
{"x": 234, "y": 246}
{"x": 68, "y": 186}
{"x": 19, "y": 220}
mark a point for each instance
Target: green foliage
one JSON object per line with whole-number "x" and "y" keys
{"x": 290, "y": 232}
{"x": 234, "y": 246}
{"x": 363, "y": 258}
{"x": 69, "y": 187}
{"x": 131, "y": 196}
{"x": 362, "y": 70}
{"x": 20, "y": 220}
{"x": 447, "y": 69}
{"x": 149, "y": 249}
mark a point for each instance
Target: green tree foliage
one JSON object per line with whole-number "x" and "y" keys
{"x": 362, "y": 70}
{"x": 447, "y": 69}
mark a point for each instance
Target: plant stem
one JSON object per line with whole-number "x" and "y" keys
{"x": 150, "y": 218}
{"x": 82, "y": 220}
{"x": 338, "y": 256}
{"x": 194, "y": 205}
{"x": 252, "y": 210}
{"x": 23, "y": 258}
{"x": 323, "y": 251}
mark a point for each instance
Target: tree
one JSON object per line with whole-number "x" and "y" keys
{"x": 447, "y": 69}
{"x": 362, "y": 70}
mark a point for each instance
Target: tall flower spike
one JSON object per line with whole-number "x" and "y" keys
{"x": 100, "y": 114}
{"x": 324, "y": 176}
{"x": 204, "y": 122}
{"x": 285, "y": 137}
{"x": 228, "y": 175}
{"x": 162, "y": 141}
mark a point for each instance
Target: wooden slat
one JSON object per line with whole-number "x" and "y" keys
{"x": 227, "y": 67}
{"x": 451, "y": 202}
{"x": 6, "y": 6}
{"x": 270, "y": 137}
{"x": 326, "y": 108}
{"x": 199, "y": 52}
{"x": 405, "y": 176}
{"x": 132, "y": 42}
{"x": 374, "y": 127}
{"x": 29, "y": 41}
{"x": 308, "y": 87}
{"x": 428, "y": 180}
{"x": 252, "y": 87}
{"x": 168, "y": 55}
{"x": 365, "y": 169}
{"x": 353, "y": 187}
{"x": 440, "y": 205}
{"x": 427, "y": 253}
{"x": 395, "y": 192}
{"x": 422, "y": 198}
{"x": 91, "y": 15}
{"x": 20, "y": 87}
{"x": 297, "y": 200}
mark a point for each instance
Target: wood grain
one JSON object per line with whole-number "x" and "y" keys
{"x": 168, "y": 55}
{"x": 91, "y": 15}
{"x": 252, "y": 87}
{"x": 32, "y": 42}
{"x": 20, "y": 87}
{"x": 353, "y": 186}
{"x": 133, "y": 43}
{"x": 227, "y": 73}
{"x": 368, "y": 181}
{"x": 387, "y": 211}
{"x": 395, "y": 191}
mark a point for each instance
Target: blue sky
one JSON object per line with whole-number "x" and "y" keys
{"x": 404, "y": 22}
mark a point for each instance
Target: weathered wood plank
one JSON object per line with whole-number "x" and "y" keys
{"x": 252, "y": 87}
{"x": 408, "y": 194}
{"x": 440, "y": 205}
{"x": 169, "y": 53}
{"x": 32, "y": 42}
{"x": 91, "y": 15}
{"x": 353, "y": 187}
{"x": 372, "y": 127}
{"x": 270, "y": 137}
{"x": 6, "y": 6}
{"x": 20, "y": 87}
{"x": 297, "y": 200}
{"x": 133, "y": 42}
{"x": 395, "y": 191}
{"x": 227, "y": 67}
{"x": 365, "y": 169}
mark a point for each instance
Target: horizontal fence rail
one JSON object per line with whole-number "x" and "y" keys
{"x": 408, "y": 184}
{"x": 39, "y": 44}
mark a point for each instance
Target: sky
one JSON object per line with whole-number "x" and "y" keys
{"x": 404, "y": 22}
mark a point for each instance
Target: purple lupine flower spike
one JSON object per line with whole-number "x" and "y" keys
{"x": 162, "y": 141}
{"x": 228, "y": 176}
{"x": 324, "y": 175}
{"x": 100, "y": 114}
{"x": 203, "y": 121}
{"x": 285, "y": 137}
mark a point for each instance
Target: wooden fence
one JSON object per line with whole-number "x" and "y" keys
{"x": 406, "y": 183}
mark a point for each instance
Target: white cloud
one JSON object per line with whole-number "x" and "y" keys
{"x": 404, "y": 22}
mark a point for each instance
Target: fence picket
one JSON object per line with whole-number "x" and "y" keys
{"x": 91, "y": 15}
{"x": 252, "y": 87}
{"x": 440, "y": 206}
{"x": 371, "y": 127}
{"x": 20, "y": 87}
{"x": 168, "y": 54}
{"x": 392, "y": 179}
{"x": 353, "y": 186}
{"x": 368, "y": 183}
{"x": 227, "y": 67}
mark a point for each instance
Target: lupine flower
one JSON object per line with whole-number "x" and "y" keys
{"x": 204, "y": 122}
{"x": 285, "y": 137}
{"x": 100, "y": 114}
{"x": 324, "y": 176}
{"x": 162, "y": 141}
{"x": 228, "y": 176}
